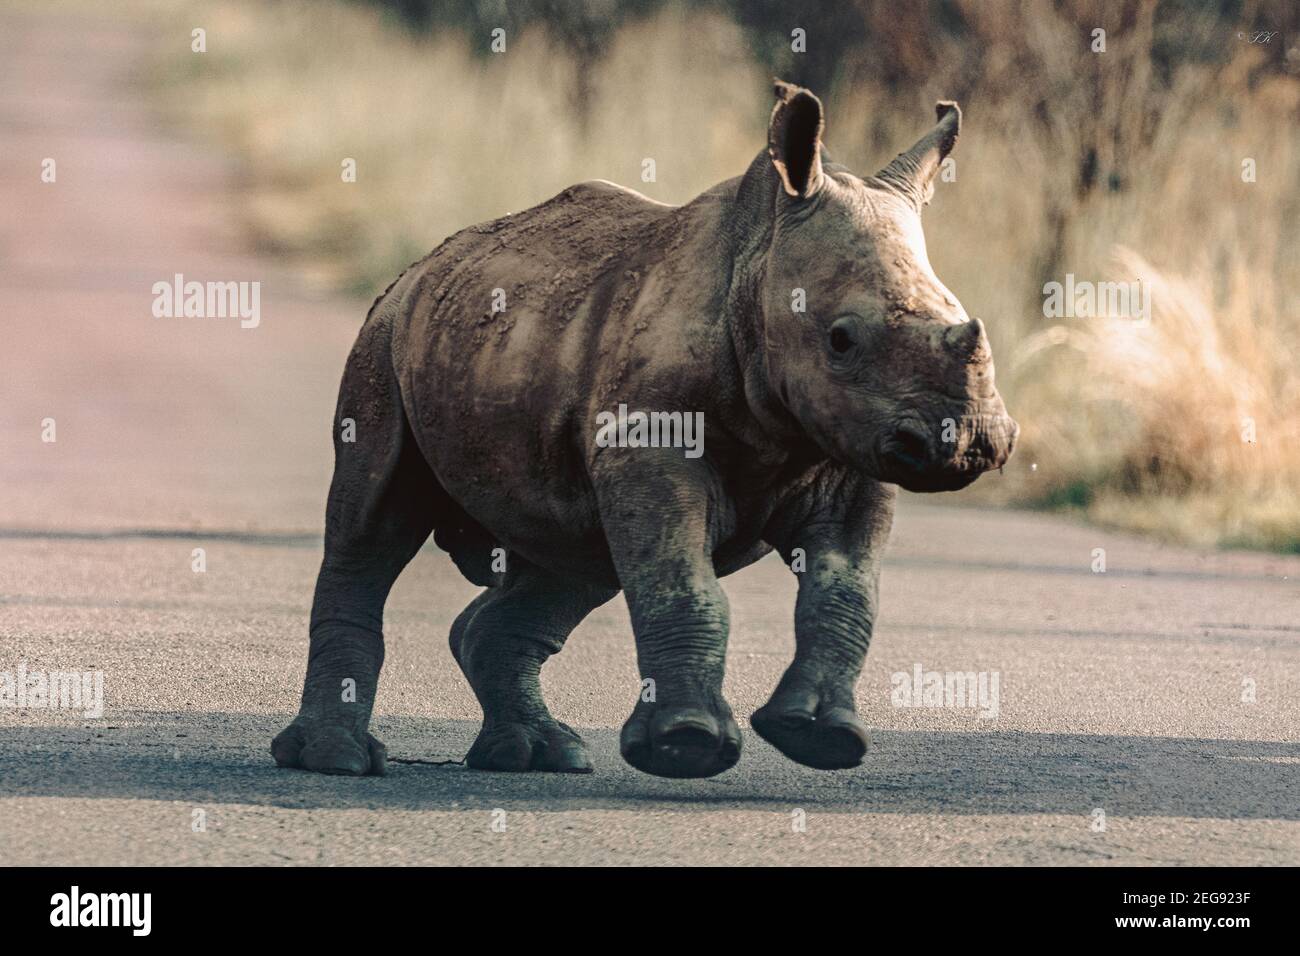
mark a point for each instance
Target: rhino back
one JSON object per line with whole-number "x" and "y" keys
{"x": 512, "y": 334}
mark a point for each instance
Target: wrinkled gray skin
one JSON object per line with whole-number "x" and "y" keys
{"x": 479, "y": 426}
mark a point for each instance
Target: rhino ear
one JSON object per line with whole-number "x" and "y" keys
{"x": 794, "y": 139}
{"x": 912, "y": 173}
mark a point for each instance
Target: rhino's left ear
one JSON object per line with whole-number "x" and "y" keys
{"x": 794, "y": 139}
{"x": 912, "y": 173}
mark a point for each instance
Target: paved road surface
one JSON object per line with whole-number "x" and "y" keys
{"x": 1119, "y": 692}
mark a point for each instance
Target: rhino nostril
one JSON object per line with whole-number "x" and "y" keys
{"x": 910, "y": 446}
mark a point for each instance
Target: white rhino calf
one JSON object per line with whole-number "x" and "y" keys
{"x": 479, "y": 425}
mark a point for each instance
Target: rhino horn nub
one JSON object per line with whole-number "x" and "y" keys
{"x": 962, "y": 340}
{"x": 912, "y": 173}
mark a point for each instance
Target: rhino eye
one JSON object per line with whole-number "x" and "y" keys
{"x": 841, "y": 337}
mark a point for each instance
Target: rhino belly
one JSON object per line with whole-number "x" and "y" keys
{"x": 506, "y": 454}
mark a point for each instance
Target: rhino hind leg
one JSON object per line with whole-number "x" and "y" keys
{"x": 383, "y": 502}
{"x": 501, "y": 641}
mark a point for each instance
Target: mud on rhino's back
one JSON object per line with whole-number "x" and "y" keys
{"x": 497, "y": 346}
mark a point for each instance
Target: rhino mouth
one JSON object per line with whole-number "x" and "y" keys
{"x": 930, "y": 482}
{"x": 911, "y": 458}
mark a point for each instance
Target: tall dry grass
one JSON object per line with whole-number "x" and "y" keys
{"x": 444, "y": 137}
{"x": 1070, "y": 162}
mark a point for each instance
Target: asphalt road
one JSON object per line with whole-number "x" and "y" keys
{"x": 1120, "y": 693}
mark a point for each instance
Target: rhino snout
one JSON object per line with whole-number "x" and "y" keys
{"x": 947, "y": 457}
{"x": 991, "y": 444}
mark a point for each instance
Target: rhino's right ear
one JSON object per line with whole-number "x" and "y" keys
{"x": 912, "y": 173}
{"x": 794, "y": 139}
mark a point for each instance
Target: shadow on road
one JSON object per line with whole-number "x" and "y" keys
{"x": 163, "y": 756}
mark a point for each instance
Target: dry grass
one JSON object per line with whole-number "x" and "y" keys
{"x": 1177, "y": 427}
{"x": 444, "y": 137}
{"x": 1070, "y": 162}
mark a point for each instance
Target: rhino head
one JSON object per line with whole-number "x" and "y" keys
{"x": 883, "y": 369}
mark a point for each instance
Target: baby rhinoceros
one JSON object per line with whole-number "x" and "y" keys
{"x": 526, "y": 393}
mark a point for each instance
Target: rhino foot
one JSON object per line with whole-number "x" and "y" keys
{"x": 681, "y": 741}
{"x": 549, "y": 746}
{"x": 329, "y": 748}
{"x": 830, "y": 739}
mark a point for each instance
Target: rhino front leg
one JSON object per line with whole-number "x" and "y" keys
{"x": 839, "y": 527}
{"x": 657, "y": 526}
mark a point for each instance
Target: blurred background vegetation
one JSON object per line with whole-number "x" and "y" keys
{"x": 1111, "y": 166}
